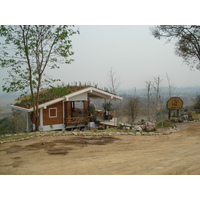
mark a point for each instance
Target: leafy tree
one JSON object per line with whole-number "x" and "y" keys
{"x": 27, "y": 50}
{"x": 187, "y": 39}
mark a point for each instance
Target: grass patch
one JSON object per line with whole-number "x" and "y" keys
{"x": 195, "y": 116}
{"x": 164, "y": 124}
{"x": 111, "y": 130}
{"x": 14, "y": 137}
{"x": 25, "y": 135}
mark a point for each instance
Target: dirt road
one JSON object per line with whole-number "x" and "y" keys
{"x": 177, "y": 153}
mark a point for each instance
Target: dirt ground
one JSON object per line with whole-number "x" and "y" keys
{"x": 177, "y": 153}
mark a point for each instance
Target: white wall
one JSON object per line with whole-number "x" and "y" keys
{"x": 80, "y": 97}
{"x": 54, "y": 127}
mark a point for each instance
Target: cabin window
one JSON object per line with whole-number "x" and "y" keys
{"x": 52, "y": 112}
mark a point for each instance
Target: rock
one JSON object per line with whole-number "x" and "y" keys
{"x": 149, "y": 126}
{"x": 8, "y": 135}
{"x": 137, "y": 128}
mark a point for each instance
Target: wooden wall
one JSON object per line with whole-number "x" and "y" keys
{"x": 85, "y": 108}
{"x": 55, "y": 120}
{"x": 68, "y": 106}
{"x": 68, "y": 109}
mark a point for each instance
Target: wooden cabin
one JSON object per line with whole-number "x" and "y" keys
{"x": 67, "y": 111}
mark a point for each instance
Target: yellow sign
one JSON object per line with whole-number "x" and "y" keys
{"x": 175, "y": 103}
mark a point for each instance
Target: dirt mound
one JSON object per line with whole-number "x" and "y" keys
{"x": 13, "y": 149}
{"x": 40, "y": 145}
{"x": 49, "y": 146}
{"x": 59, "y": 151}
{"x": 87, "y": 140}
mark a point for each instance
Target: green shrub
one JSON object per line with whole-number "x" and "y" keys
{"x": 197, "y": 102}
{"x": 164, "y": 124}
{"x": 5, "y": 126}
{"x": 14, "y": 124}
{"x": 108, "y": 106}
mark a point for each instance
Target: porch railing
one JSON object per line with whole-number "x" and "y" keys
{"x": 76, "y": 120}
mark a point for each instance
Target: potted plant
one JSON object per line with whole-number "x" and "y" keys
{"x": 108, "y": 108}
{"x": 92, "y": 112}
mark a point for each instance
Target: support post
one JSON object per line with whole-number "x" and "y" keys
{"x": 41, "y": 119}
{"x": 169, "y": 114}
{"x": 27, "y": 123}
{"x": 177, "y": 113}
{"x": 114, "y": 113}
{"x": 63, "y": 115}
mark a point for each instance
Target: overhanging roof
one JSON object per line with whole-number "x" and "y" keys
{"x": 95, "y": 93}
{"x": 92, "y": 92}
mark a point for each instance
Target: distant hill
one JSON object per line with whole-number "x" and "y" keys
{"x": 181, "y": 91}
{"x": 187, "y": 94}
{"x": 9, "y": 95}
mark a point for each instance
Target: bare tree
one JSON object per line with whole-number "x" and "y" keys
{"x": 154, "y": 99}
{"x": 171, "y": 87}
{"x": 113, "y": 86}
{"x": 113, "y": 81}
{"x": 158, "y": 98}
{"x": 133, "y": 107}
{"x": 148, "y": 86}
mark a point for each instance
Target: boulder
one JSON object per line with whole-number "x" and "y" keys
{"x": 149, "y": 126}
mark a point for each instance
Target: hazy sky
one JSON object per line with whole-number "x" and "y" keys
{"x": 132, "y": 52}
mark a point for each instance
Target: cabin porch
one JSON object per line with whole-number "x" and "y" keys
{"x": 75, "y": 112}
{"x": 77, "y": 115}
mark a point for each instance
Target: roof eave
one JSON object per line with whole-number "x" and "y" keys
{"x": 105, "y": 95}
{"x": 40, "y": 106}
{"x": 109, "y": 95}
{"x": 22, "y": 109}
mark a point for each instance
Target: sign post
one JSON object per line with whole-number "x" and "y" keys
{"x": 174, "y": 103}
